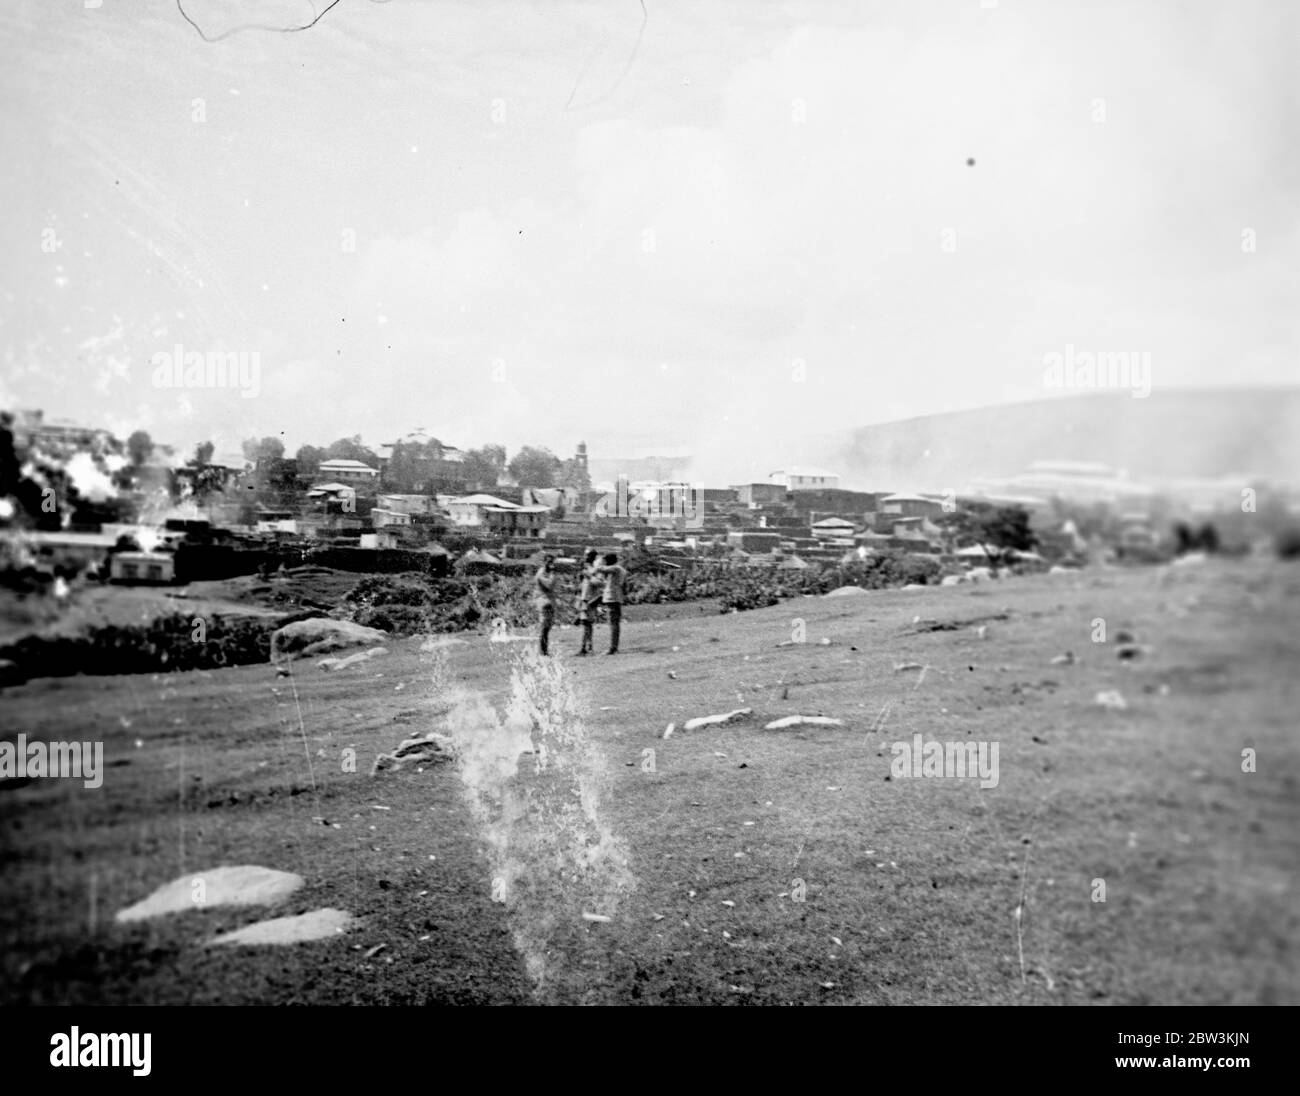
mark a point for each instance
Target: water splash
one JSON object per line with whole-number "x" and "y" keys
{"x": 535, "y": 782}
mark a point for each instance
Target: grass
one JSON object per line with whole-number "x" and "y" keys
{"x": 918, "y": 880}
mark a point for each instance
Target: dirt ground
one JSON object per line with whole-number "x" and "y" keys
{"x": 910, "y": 887}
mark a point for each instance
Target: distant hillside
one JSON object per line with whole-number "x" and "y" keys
{"x": 1188, "y": 433}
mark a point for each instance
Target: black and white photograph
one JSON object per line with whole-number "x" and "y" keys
{"x": 648, "y": 502}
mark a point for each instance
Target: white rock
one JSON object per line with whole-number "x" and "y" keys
{"x": 717, "y": 720}
{"x": 846, "y": 591}
{"x": 351, "y": 660}
{"x": 803, "y": 720}
{"x": 319, "y": 636}
{"x": 315, "y": 925}
{"x": 246, "y": 885}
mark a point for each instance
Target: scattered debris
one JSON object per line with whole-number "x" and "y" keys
{"x": 1130, "y": 652}
{"x": 597, "y": 917}
{"x": 1066, "y": 659}
{"x": 1111, "y": 698}
{"x": 956, "y": 625}
{"x": 374, "y": 951}
{"x": 900, "y": 667}
{"x": 668, "y": 731}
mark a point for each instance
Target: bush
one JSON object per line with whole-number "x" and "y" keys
{"x": 165, "y": 644}
{"x": 1287, "y": 543}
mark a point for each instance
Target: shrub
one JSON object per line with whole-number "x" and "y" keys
{"x": 1287, "y": 543}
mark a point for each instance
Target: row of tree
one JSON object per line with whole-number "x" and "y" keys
{"x": 417, "y": 466}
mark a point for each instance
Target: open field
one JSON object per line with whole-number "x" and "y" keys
{"x": 909, "y": 886}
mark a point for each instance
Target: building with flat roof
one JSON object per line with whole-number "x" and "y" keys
{"x": 805, "y": 478}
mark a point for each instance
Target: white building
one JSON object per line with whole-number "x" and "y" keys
{"x": 381, "y": 518}
{"x": 471, "y": 510}
{"x": 348, "y": 471}
{"x": 805, "y": 478}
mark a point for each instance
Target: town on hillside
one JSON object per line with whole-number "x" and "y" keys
{"x": 87, "y": 506}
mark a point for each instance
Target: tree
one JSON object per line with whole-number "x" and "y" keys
{"x": 309, "y": 458}
{"x": 351, "y": 449}
{"x": 574, "y": 474}
{"x": 973, "y": 522}
{"x": 482, "y": 467}
{"x": 202, "y": 454}
{"x": 267, "y": 449}
{"x": 140, "y": 447}
{"x": 407, "y": 469}
{"x": 535, "y": 467}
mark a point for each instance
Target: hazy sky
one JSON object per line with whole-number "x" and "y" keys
{"x": 734, "y": 226}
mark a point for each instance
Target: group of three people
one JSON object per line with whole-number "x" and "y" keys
{"x": 603, "y": 583}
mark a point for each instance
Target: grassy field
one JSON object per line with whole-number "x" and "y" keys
{"x": 910, "y": 887}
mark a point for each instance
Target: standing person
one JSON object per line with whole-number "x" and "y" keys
{"x": 545, "y": 600}
{"x": 589, "y": 598}
{"x": 615, "y": 576}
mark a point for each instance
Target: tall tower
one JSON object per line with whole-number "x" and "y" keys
{"x": 580, "y": 457}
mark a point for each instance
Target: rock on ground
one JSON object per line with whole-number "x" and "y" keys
{"x": 717, "y": 720}
{"x": 802, "y": 721}
{"x": 319, "y": 636}
{"x": 1111, "y": 698}
{"x": 245, "y": 885}
{"x": 431, "y": 749}
{"x": 315, "y": 925}
{"x": 351, "y": 660}
{"x": 846, "y": 591}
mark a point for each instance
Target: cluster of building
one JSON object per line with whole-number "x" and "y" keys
{"x": 795, "y": 516}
